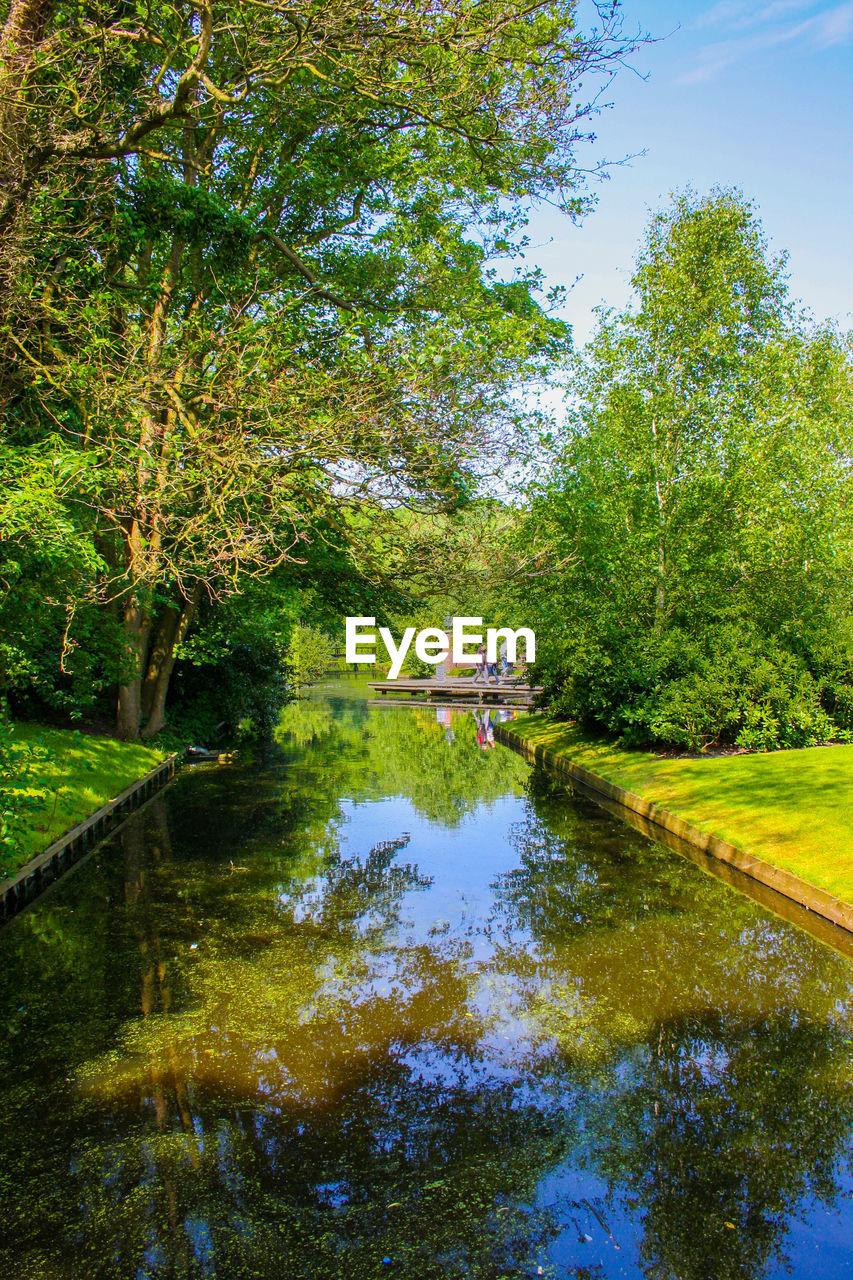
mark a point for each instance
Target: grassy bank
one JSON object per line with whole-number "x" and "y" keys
{"x": 791, "y": 808}
{"x": 60, "y": 777}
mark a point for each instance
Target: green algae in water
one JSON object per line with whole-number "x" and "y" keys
{"x": 380, "y": 995}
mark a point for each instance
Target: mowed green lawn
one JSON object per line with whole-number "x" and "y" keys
{"x": 68, "y": 776}
{"x": 792, "y": 808}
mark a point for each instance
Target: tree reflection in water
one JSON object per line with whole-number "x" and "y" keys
{"x": 250, "y": 1039}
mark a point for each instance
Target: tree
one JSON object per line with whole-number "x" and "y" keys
{"x": 281, "y": 307}
{"x": 88, "y": 87}
{"x": 699, "y": 501}
{"x": 54, "y": 645}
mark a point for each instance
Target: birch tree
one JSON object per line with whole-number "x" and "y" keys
{"x": 700, "y": 501}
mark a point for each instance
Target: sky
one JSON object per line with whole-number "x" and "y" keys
{"x": 756, "y": 94}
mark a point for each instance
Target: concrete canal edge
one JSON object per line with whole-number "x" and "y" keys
{"x": 26, "y": 885}
{"x": 780, "y": 881}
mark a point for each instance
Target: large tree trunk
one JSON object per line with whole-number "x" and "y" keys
{"x": 162, "y": 646}
{"x": 142, "y": 546}
{"x": 23, "y": 30}
{"x": 137, "y": 629}
{"x": 129, "y": 711}
{"x": 173, "y": 628}
{"x": 20, "y": 154}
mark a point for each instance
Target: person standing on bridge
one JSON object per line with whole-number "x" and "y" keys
{"x": 507, "y": 667}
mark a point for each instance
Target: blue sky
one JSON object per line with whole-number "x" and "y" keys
{"x": 756, "y": 94}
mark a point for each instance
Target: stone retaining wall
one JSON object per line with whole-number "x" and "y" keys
{"x": 35, "y": 875}
{"x": 783, "y": 882}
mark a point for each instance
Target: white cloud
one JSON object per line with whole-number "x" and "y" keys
{"x": 834, "y": 26}
{"x": 742, "y": 14}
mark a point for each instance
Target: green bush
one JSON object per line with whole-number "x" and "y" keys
{"x": 840, "y": 699}
{"x": 414, "y": 666}
{"x": 675, "y": 692}
{"x": 235, "y": 691}
{"x": 417, "y": 668}
{"x": 311, "y": 654}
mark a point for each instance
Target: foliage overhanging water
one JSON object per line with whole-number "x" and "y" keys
{"x": 383, "y": 1003}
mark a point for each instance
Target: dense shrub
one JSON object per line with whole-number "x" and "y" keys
{"x": 674, "y": 692}
{"x": 311, "y": 654}
{"x": 236, "y": 694}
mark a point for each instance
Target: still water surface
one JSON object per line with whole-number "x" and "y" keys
{"x": 382, "y": 1004}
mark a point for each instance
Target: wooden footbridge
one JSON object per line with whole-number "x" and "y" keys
{"x": 508, "y": 693}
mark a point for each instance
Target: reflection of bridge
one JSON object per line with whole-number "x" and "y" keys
{"x": 507, "y": 694}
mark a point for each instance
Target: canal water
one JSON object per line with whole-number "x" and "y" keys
{"x": 381, "y": 1002}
